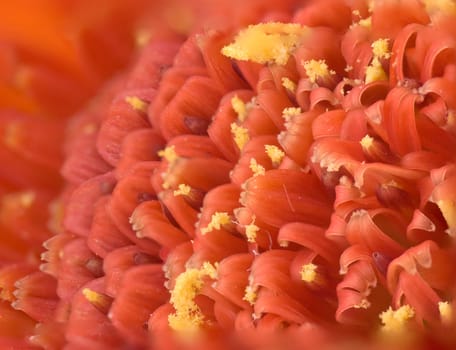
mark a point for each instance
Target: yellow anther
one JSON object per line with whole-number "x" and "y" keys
{"x": 188, "y": 316}
{"x": 380, "y": 48}
{"x": 396, "y": 320}
{"x": 309, "y": 272}
{"x": 290, "y": 112}
{"x": 240, "y": 134}
{"x": 375, "y": 72}
{"x": 289, "y": 84}
{"x": 136, "y": 103}
{"x": 274, "y": 153}
{"x": 256, "y": 168}
{"x": 250, "y": 295}
{"x": 446, "y": 312}
{"x": 182, "y": 190}
{"x": 317, "y": 69}
{"x": 169, "y": 154}
{"x": 239, "y": 107}
{"x": 266, "y": 42}
{"x": 218, "y": 219}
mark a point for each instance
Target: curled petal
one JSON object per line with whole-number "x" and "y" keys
{"x": 399, "y": 121}
{"x": 149, "y": 221}
{"x": 278, "y": 197}
{"x": 426, "y": 260}
{"x": 87, "y": 326}
{"x": 380, "y": 230}
{"x": 413, "y": 290}
{"x": 311, "y": 237}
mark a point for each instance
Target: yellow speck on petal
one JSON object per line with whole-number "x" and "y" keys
{"x": 256, "y": 168}
{"x": 289, "y": 84}
{"x": 136, "y": 103}
{"x": 92, "y": 296}
{"x": 218, "y": 219}
{"x": 240, "y": 134}
{"x": 317, "y": 69}
{"x": 446, "y": 312}
{"x": 363, "y": 304}
{"x": 448, "y": 209}
{"x": 365, "y": 22}
{"x": 142, "y": 37}
{"x": 188, "y": 317}
{"x": 251, "y": 231}
{"x": 14, "y": 203}
{"x": 367, "y": 142}
{"x": 182, "y": 190}
{"x": 250, "y": 295}
{"x": 169, "y": 153}
{"x": 395, "y": 320}
{"x": 380, "y": 48}
{"x": 266, "y": 42}
{"x": 89, "y": 128}
{"x": 239, "y": 107}
{"x": 274, "y": 153}
{"x": 375, "y": 72}
{"x": 290, "y": 112}
{"x": 309, "y": 272}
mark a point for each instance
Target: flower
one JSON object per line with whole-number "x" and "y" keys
{"x": 282, "y": 174}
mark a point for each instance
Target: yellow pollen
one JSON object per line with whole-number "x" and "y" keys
{"x": 380, "y": 48}
{"x": 367, "y": 142}
{"x": 256, "y": 168}
{"x": 182, "y": 190}
{"x": 93, "y": 297}
{"x": 375, "y": 72}
{"x": 365, "y": 22}
{"x": 142, "y": 37}
{"x": 250, "y": 295}
{"x": 317, "y": 69}
{"x": 289, "y": 84}
{"x": 188, "y": 316}
{"x": 266, "y": 42}
{"x": 251, "y": 231}
{"x": 274, "y": 153}
{"x": 136, "y": 103}
{"x": 363, "y": 304}
{"x": 218, "y": 219}
{"x": 309, "y": 272}
{"x": 395, "y": 320}
{"x": 12, "y": 203}
{"x": 446, "y": 313}
{"x": 240, "y": 134}
{"x": 448, "y": 209}
{"x": 239, "y": 107}
{"x": 168, "y": 153}
{"x": 290, "y": 112}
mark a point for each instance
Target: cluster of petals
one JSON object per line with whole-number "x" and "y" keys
{"x": 284, "y": 176}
